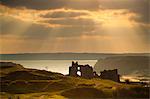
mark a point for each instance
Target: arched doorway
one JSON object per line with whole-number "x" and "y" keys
{"x": 79, "y": 73}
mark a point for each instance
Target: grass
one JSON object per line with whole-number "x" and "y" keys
{"x": 71, "y": 87}
{"x": 40, "y": 84}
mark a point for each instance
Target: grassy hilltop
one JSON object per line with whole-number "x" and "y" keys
{"x": 33, "y": 84}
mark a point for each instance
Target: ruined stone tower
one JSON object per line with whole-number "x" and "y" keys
{"x": 85, "y": 70}
{"x": 73, "y": 69}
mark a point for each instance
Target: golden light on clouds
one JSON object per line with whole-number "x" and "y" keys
{"x": 34, "y": 16}
{"x": 72, "y": 30}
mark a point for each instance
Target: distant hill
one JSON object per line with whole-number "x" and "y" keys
{"x": 125, "y": 64}
{"x": 64, "y": 56}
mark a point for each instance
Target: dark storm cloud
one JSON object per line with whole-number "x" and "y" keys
{"x": 52, "y": 4}
{"x": 136, "y": 5}
{"x": 33, "y": 4}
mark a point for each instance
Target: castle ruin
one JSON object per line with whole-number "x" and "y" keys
{"x": 86, "y": 71}
{"x": 110, "y": 74}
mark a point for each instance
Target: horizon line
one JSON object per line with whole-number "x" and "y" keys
{"x": 80, "y": 53}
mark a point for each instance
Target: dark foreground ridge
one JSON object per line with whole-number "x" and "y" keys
{"x": 27, "y": 83}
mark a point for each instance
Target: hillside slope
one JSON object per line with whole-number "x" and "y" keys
{"x": 12, "y": 71}
{"x": 41, "y": 84}
{"x": 74, "y": 88}
{"x": 7, "y": 67}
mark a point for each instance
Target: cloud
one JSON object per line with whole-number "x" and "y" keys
{"x": 14, "y": 26}
{"x": 73, "y": 22}
{"x": 139, "y": 7}
{"x": 97, "y": 24}
{"x": 64, "y": 22}
{"x": 40, "y": 32}
{"x": 11, "y": 25}
{"x": 62, "y": 14}
{"x": 52, "y": 4}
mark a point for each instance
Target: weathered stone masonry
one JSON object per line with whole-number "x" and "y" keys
{"x": 88, "y": 73}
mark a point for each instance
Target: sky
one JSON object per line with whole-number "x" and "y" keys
{"x": 89, "y": 26}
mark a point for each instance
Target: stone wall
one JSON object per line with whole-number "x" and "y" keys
{"x": 87, "y": 72}
{"x": 110, "y": 74}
